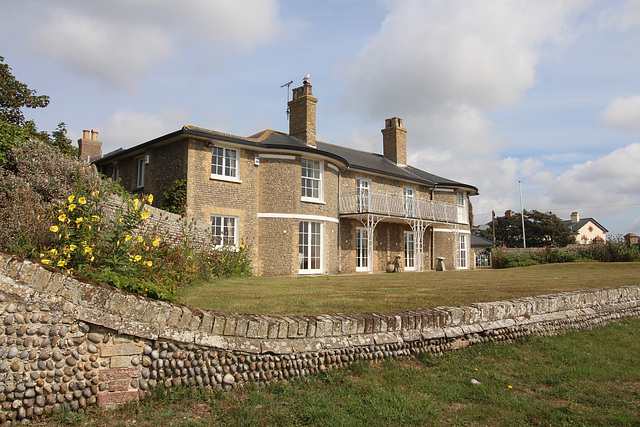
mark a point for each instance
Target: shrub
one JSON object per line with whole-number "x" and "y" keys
{"x": 175, "y": 199}
{"x": 503, "y": 259}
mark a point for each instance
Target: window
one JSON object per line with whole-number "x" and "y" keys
{"x": 362, "y": 249}
{"x": 141, "y": 166}
{"x": 115, "y": 173}
{"x": 311, "y": 180}
{"x": 310, "y": 247}
{"x": 462, "y": 207}
{"x": 409, "y": 251}
{"x": 224, "y": 164}
{"x": 409, "y": 199}
{"x": 363, "y": 195}
{"x": 224, "y": 230}
{"x": 461, "y": 250}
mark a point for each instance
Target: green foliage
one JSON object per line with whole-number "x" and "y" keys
{"x": 175, "y": 199}
{"x": 503, "y": 259}
{"x": 15, "y": 95}
{"x": 613, "y": 250}
{"x": 542, "y": 229}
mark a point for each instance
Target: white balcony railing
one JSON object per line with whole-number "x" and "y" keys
{"x": 400, "y": 206}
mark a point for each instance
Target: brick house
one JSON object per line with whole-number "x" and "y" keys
{"x": 303, "y": 206}
{"x": 586, "y": 230}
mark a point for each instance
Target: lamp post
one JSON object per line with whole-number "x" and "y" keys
{"x": 524, "y": 236}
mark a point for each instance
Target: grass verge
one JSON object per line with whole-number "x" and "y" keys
{"x": 362, "y": 293}
{"x": 582, "y": 378}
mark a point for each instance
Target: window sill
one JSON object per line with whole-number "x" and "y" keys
{"x": 316, "y": 272}
{"x": 310, "y": 200}
{"x": 225, "y": 178}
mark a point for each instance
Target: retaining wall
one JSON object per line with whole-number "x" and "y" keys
{"x": 66, "y": 343}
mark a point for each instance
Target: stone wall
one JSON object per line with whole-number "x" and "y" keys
{"x": 67, "y": 343}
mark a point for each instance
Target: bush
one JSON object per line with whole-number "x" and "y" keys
{"x": 175, "y": 199}
{"x": 613, "y": 250}
{"x": 503, "y": 259}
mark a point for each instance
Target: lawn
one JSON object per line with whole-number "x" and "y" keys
{"x": 577, "y": 378}
{"x": 362, "y": 293}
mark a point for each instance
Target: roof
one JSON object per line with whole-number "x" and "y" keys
{"x": 576, "y": 226}
{"x": 273, "y": 140}
{"x": 480, "y": 241}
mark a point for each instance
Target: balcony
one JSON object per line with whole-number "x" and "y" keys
{"x": 399, "y": 206}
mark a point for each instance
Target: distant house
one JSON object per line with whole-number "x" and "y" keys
{"x": 481, "y": 253}
{"x": 631, "y": 239}
{"x": 303, "y": 206}
{"x": 586, "y": 230}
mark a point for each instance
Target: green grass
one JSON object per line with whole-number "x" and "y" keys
{"x": 361, "y": 293}
{"x": 578, "y": 378}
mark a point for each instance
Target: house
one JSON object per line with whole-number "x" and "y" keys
{"x": 303, "y": 206}
{"x": 631, "y": 239}
{"x": 586, "y": 230}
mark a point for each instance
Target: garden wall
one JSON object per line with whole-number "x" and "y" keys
{"x": 66, "y": 343}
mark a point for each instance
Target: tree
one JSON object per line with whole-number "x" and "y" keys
{"x": 541, "y": 230}
{"x": 14, "y": 128}
{"x": 15, "y": 95}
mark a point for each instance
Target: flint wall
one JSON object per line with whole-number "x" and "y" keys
{"x": 66, "y": 343}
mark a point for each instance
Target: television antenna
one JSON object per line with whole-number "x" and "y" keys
{"x": 288, "y": 85}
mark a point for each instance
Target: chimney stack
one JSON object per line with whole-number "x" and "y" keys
{"x": 302, "y": 118}
{"x": 575, "y": 217}
{"x": 394, "y": 140}
{"x": 89, "y": 147}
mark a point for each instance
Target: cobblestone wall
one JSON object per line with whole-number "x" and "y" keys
{"x": 66, "y": 343}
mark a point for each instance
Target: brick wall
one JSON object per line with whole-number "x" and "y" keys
{"x": 69, "y": 344}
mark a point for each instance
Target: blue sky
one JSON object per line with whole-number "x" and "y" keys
{"x": 491, "y": 91}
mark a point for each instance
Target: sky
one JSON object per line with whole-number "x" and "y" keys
{"x": 541, "y": 95}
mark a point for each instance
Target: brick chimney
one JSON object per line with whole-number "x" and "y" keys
{"x": 394, "y": 140}
{"x": 89, "y": 146}
{"x": 302, "y": 110}
{"x": 508, "y": 213}
{"x": 575, "y": 217}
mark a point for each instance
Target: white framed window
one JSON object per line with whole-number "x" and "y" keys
{"x": 363, "y": 195}
{"x": 312, "y": 176}
{"x": 224, "y": 230}
{"x": 461, "y": 251}
{"x": 225, "y": 164}
{"x": 409, "y": 251}
{"x": 141, "y": 167}
{"x": 409, "y": 201}
{"x": 362, "y": 249}
{"x": 310, "y": 247}
{"x": 115, "y": 173}
{"x": 462, "y": 207}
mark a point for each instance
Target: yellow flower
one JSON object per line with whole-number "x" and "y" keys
{"x": 95, "y": 218}
{"x": 509, "y": 387}
{"x": 127, "y": 238}
{"x": 136, "y": 202}
{"x": 62, "y": 218}
{"x": 61, "y": 263}
{"x": 71, "y": 207}
{"x": 54, "y": 228}
{"x": 137, "y": 258}
{"x": 95, "y": 193}
{"x": 139, "y": 239}
{"x": 150, "y": 198}
{"x": 156, "y": 242}
{"x": 149, "y": 263}
{"x": 82, "y": 200}
{"x": 241, "y": 247}
{"x": 53, "y": 251}
{"x": 87, "y": 250}
{"x": 72, "y": 247}
{"x": 70, "y": 198}
{"x": 79, "y": 220}
{"x": 144, "y": 214}
{"x": 45, "y": 261}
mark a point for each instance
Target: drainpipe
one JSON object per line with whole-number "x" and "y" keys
{"x": 339, "y": 225}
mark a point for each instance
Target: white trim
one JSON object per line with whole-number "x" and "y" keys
{"x": 444, "y": 190}
{"x": 277, "y": 156}
{"x": 298, "y": 217}
{"x": 365, "y": 249}
{"x": 332, "y": 166}
{"x": 321, "y": 269}
{"x": 223, "y": 177}
{"x": 320, "y": 181}
{"x": 451, "y": 230}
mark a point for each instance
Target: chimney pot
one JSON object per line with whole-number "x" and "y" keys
{"x": 85, "y": 134}
{"x": 575, "y": 217}
{"x": 94, "y": 135}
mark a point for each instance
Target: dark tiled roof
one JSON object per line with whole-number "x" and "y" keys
{"x": 480, "y": 241}
{"x": 575, "y": 226}
{"x": 354, "y": 159}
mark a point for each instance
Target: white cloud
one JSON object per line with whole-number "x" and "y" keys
{"x": 621, "y": 17}
{"x": 623, "y": 113}
{"x": 127, "y": 128}
{"x": 119, "y": 41}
